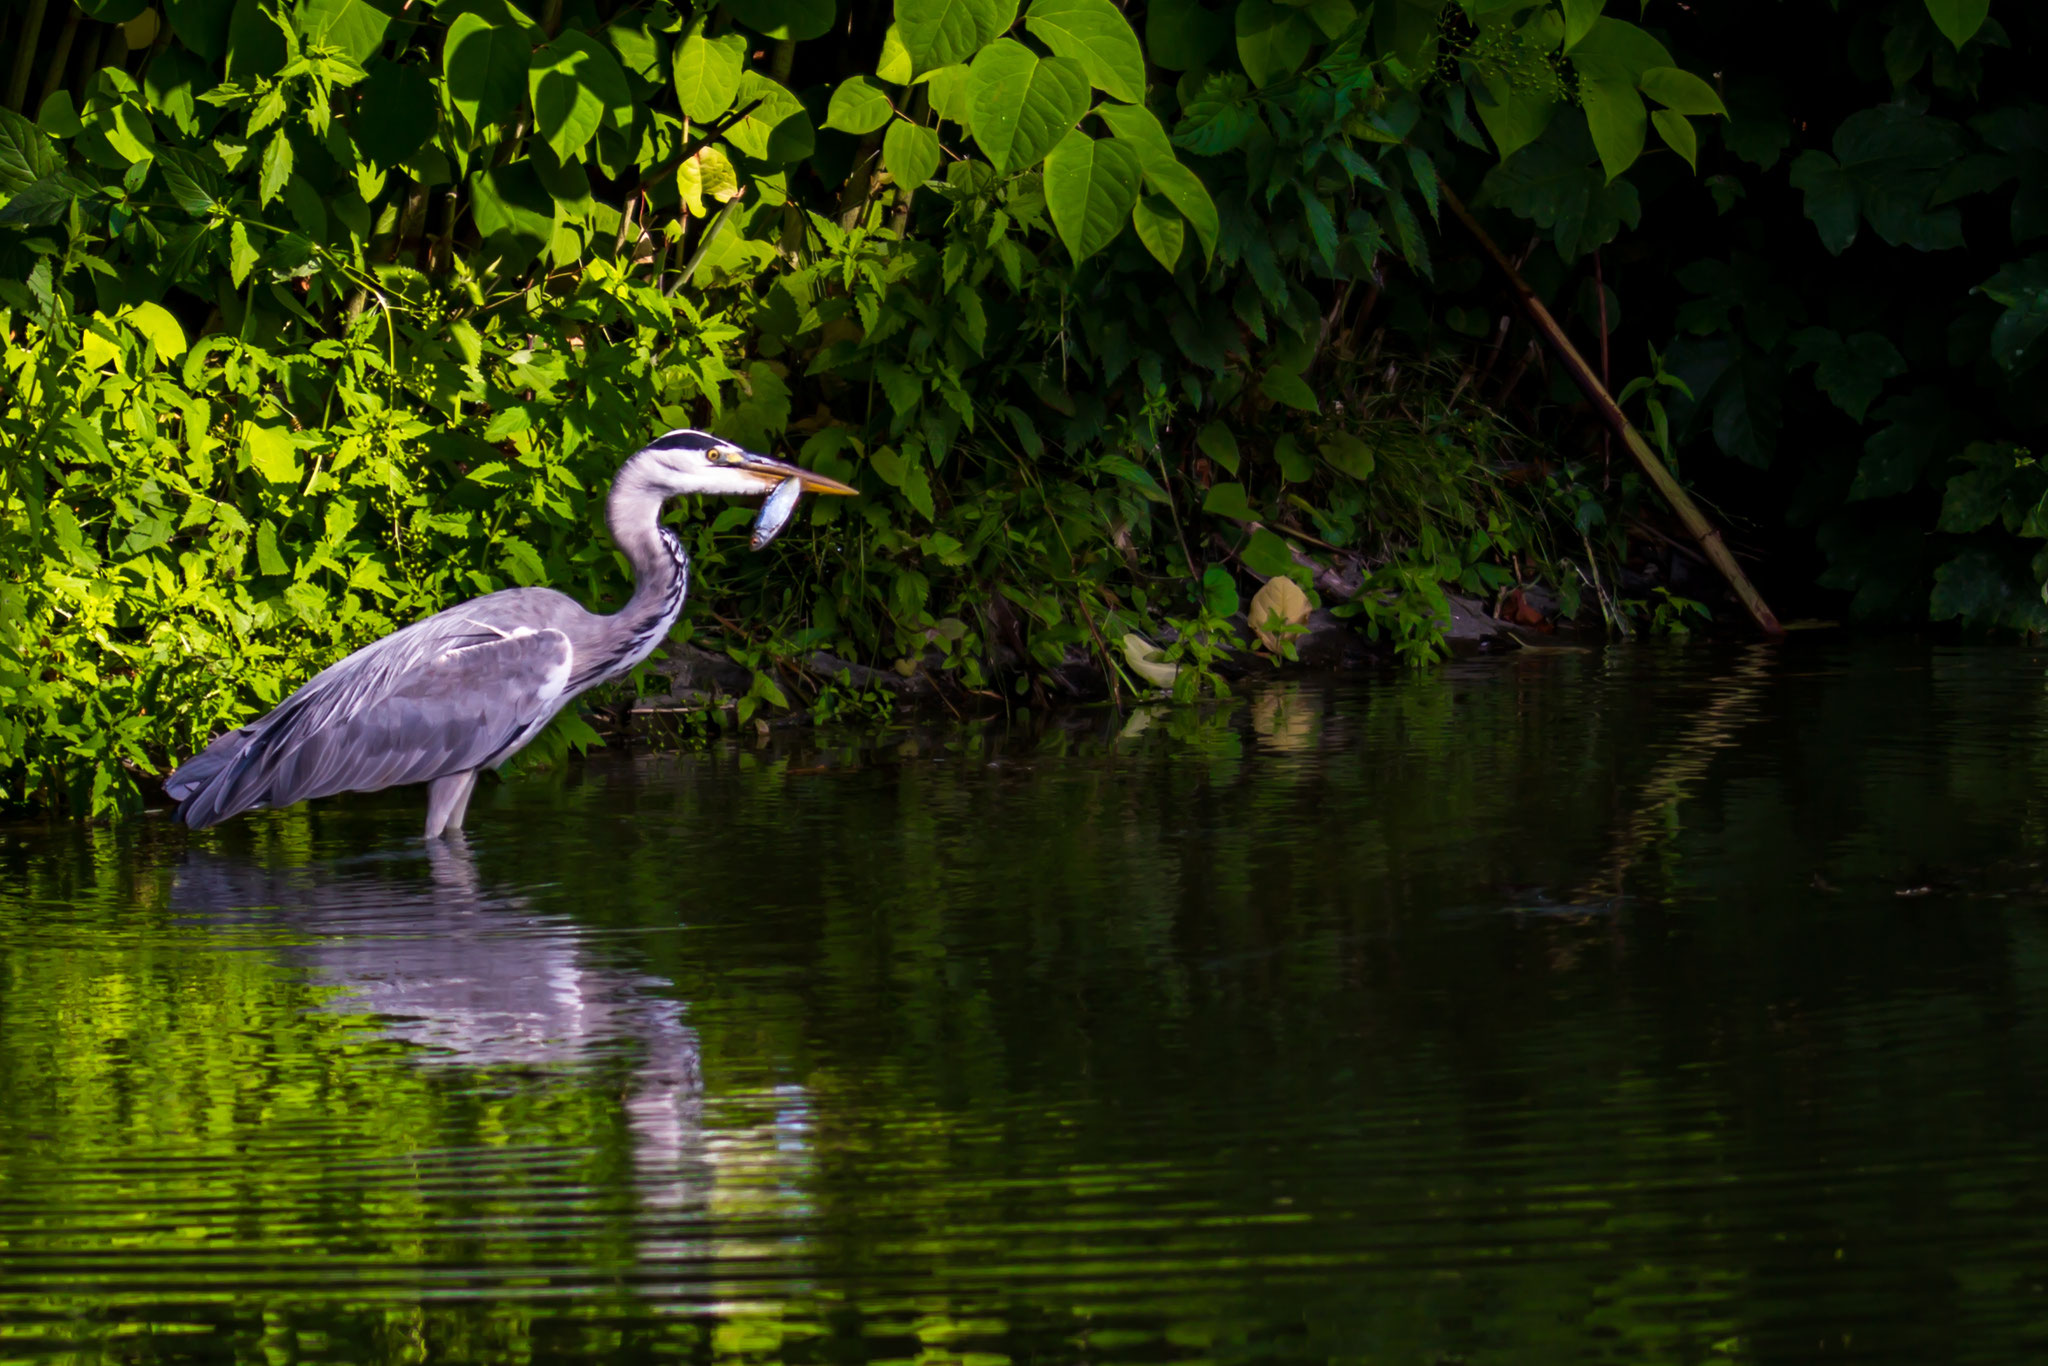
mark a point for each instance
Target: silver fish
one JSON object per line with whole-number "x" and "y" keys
{"x": 775, "y": 510}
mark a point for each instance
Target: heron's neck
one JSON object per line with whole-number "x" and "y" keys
{"x": 661, "y": 568}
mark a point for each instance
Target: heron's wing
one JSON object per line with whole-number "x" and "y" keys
{"x": 447, "y": 701}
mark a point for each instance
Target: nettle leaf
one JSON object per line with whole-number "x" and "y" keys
{"x": 1272, "y": 40}
{"x": 1021, "y": 105}
{"x": 1851, "y": 371}
{"x": 193, "y": 182}
{"x": 484, "y": 67}
{"x": 26, "y": 153}
{"x": 2023, "y": 289}
{"x": 1219, "y": 118}
{"x": 707, "y": 73}
{"x": 780, "y": 19}
{"x": 1920, "y": 431}
{"x": 1160, "y": 227}
{"x": 354, "y": 26}
{"x": 910, "y": 153}
{"x": 939, "y": 33}
{"x": 1095, "y": 34}
{"x": 1553, "y": 184}
{"x": 779, "y": 129}
{"x": 1830, "y": 198}
{"x": 1090, "y": 188}
{"x": 276, "y": 169}
{"x": 1139, "y": 127}
{"x": 574, "y": 82}
{"x": 859, "y": 105}
{"x": 46, "y": 201}
{"x": 1183, "y": 35}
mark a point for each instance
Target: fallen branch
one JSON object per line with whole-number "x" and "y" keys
{"x": 1703, "y": 531}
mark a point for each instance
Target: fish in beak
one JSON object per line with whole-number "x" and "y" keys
{"x": 791, "y": 483}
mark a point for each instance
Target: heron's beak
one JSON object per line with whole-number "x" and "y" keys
{"x": 778, "y": 470}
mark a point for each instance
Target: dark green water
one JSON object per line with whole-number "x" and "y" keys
{"x": 1666, "y": 1005}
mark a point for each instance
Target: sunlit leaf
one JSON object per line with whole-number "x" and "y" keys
{"x": 1090, "y": 188}
{"x": 1021, "y": 105}
{"x": 1095, "y": 34}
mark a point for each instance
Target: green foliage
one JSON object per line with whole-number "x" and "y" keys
{"x": 320, "y": 318}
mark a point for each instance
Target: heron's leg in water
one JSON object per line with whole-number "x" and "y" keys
{"x": 447, "y": 799}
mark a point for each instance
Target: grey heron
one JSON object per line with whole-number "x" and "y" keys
{"x": 469, "y": 687}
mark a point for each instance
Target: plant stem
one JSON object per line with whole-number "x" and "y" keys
{"x": 1703, "y": 531}
{"x": 25, "y": 54}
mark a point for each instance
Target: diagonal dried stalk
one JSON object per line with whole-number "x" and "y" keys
{"x": 1703, "y": 531}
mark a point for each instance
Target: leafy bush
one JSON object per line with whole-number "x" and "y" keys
{"x": 324, "y": 315}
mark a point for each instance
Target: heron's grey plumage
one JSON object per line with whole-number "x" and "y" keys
{"x": 467, "y": 688}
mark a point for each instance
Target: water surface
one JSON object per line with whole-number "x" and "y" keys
{"x": 1663, "y": 1004}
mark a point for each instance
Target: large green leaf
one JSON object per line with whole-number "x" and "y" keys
{"x": 574, "y": 83}
{"x": 484, "y": 66}
{"x": 397, "y": 113}
{"x": 171, "y": 83}
{"x": 1095, "y": 34}
{"x": 797, "y": 19}
{"x": 1021, "y": 105}
{"x": 910, "y": 153}
{"x": 1678, "y": 89}
{"x": 778, "y": 130}
{"x": 514, "y": 213}
{"x": 201, "y": 25}
{"x": 1830, "y": 198}
{"x": 1611, "y": 60}
{"x": 950, "y": 94}
{"x": 2023, "y": 290}
{"x": 859, "y": 105}
{"x": 1272, "y": 40}
{"x": 255, "y": 45}
{"x": 941, "y": 32}
{"x": 1554, "y": 185}
{"x": 1959, "y": 20}
{"x": 1160, "y": 227}
{"x": 1091, "y": 186}
{"x": 1183, "y": 35}
{"x": 354, "y": 26}
{"x": 707, "y": 72}
{"x": 1579, "y": 18}
{"x": 1137, "y": 126}
{"x": 1850, "y": 370}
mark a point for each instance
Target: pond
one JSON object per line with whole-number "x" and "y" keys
{"x": 1677, "y": 1004}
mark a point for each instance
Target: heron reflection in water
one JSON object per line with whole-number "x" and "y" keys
{"x": 476, "y": 979}
{"x": 468, "y": 688}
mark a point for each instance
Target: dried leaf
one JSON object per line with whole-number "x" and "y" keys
{"x": 1280, "y": 603}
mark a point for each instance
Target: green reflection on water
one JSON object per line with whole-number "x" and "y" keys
{"x": 1648, "y": 1006}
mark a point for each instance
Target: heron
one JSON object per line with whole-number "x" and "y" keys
{"x": 467, "y": 688}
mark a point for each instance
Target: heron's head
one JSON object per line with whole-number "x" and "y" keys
{"x": 694, "y": 462}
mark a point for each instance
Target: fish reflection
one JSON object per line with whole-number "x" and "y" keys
{"x": 478, "y": 979}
